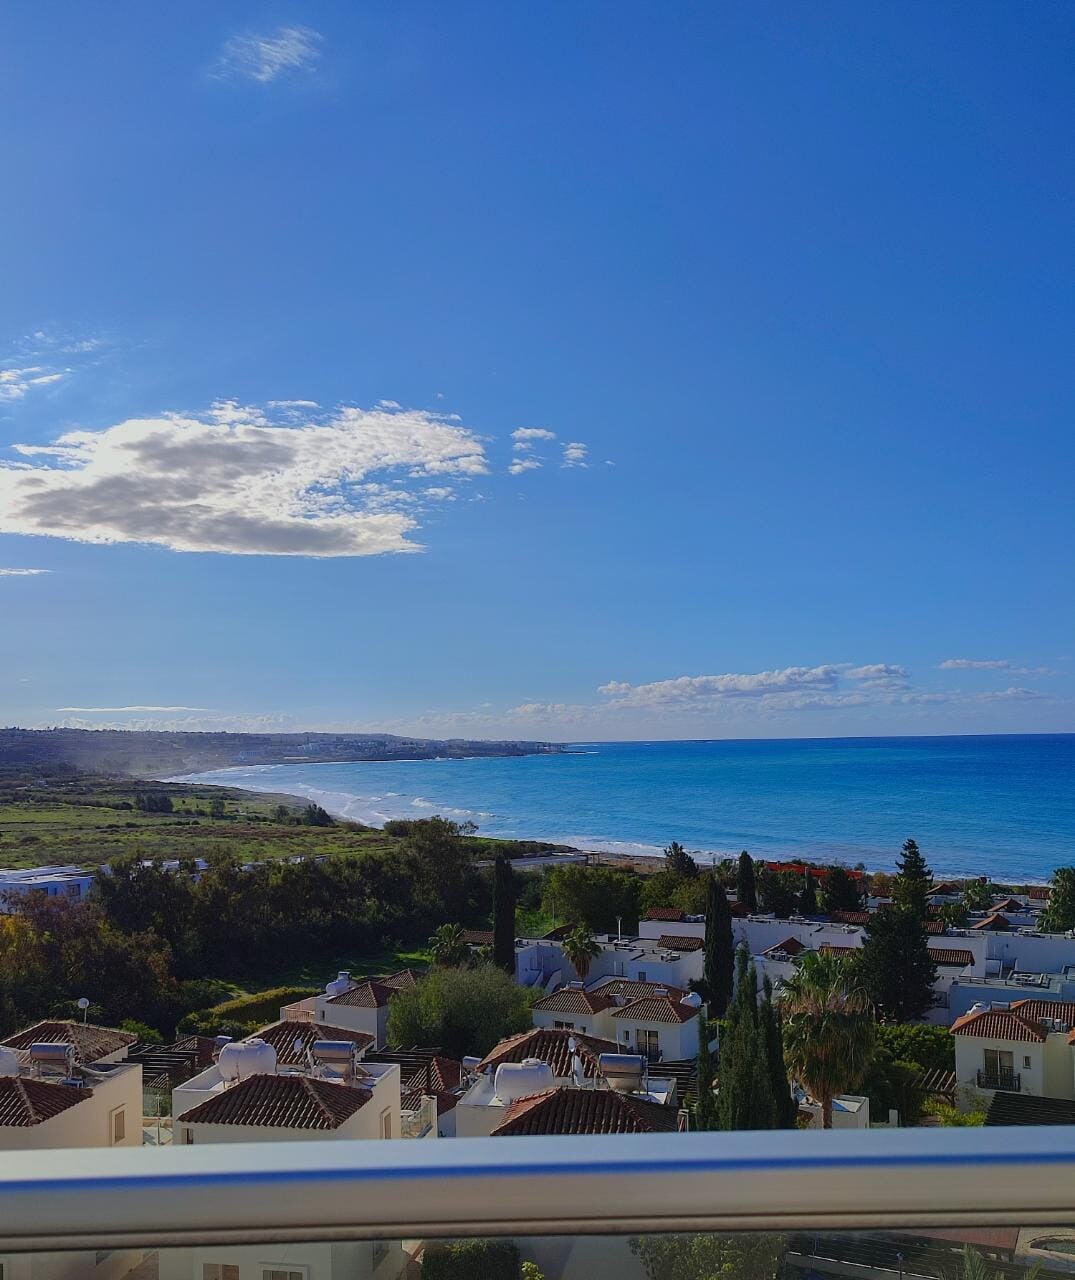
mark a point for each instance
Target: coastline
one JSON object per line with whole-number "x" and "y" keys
{"x": 623, "y": 854}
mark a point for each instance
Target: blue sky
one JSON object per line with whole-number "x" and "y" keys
{"x": 779, "y": 297}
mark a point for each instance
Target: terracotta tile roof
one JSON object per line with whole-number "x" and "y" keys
{"x": 364, "y": 995}
{"x": 1033, "y": 1007}
{"x": 675, "y": 942}
{"x": 671, "y": 914}
{"x": 996, "y": 923}
{"x": 403, "y": 980}
{"x": 656, "y": 1009}
{"x": 627, "y": 989}
{"x": 790, "y": 946}
{"x": 558, "y": 934}
{"x": 281, "y": 1102}
{"x": 574, "y": 1000}
{"x": 1008, "y": 904}
{"x": 945, "y": 888}
{"x": 478, "y": 937}
{"x": 739, "y": 912}
{"x": 831, "y": 949}
{"x": 952, "y": 956}
{"x": 935, "y": 928}
{"x": 1039, "y": 892}
{"x": 998, "y": 1024}
{"x": 282, "y": 1037}
{"x": 26, "y": 1102}
{"x": 90, "y": 1043}
{"x": 1023, "y": 1108}
{"x": 577, "y": 1111}
{"x": 551, "y": 1046}
{"x": 849, "y": 917}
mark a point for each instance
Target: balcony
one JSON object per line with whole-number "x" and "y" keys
{"x": 1008, "y": 1081}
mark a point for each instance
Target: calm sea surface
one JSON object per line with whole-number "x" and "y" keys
{"x": 1001, "y": 806}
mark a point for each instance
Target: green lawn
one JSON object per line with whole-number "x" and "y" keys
{"x": 318, "y": 973}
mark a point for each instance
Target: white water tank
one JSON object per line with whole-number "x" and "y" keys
{"x": 244, "y": 1058}
{"x": 692, "y": 1000}
{"x": 339, "y": 984}
{"x": 521, "y": 1079}
{"x": 9, "y": 1062}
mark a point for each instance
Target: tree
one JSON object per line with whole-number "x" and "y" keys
{"x": 808, "y": 897}
{"x": 746, "y": 892}
{"x": 1059, "y": 915}
{"x": 719, "y": 963}
{"x": 881, "y": 883}
{"x": 679, "y": 861}
{"x": 704, "y": 1113}
{"x": 504, "y": 914}
{"x": 914, "y": 880}
{"x": 841, "y": 891}
{"x": 828, "y": 1029}
{"x": 475, "y": 1259}
{"x": 281, "y": 813}
{"x": 216, "y": 807}
{"x": 779, "y": 892}
{"x": 593, "y": 896}
{"x": 581, "y": 949}
{"x": 976, "y": 895}
{"x": 314, "y": 816}
{"x": 745, "y": 1099}
{"x": 742, "y": 1256}
{"x": 666, "y": 889}
{"x": 785, "y": 1108}
{"x": 463, "y": 1011}
{"x": 447, "y": 947}
{"x": 894, "y": 965}
{"x": 929, "y": 1048}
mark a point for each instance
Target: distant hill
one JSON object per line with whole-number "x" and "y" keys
{"x": 138, "y": 754}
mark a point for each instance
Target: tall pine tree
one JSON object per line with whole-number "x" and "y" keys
{"x": 808, "y": 897}
{"x": 504, "y": 914}
{"x": 841, "y": 892}
{"x": 746, "y": 890}
{"x": 894, "y": 965}
{"x": 719, "y": 962}
{"x": 914, "y": 880}
{"x": 705, "y": 1108}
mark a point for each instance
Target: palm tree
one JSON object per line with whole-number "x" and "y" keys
{"x": 581, "y": 949}
{"x": 828, "y": 1029}
{"x": 447, "y": 948}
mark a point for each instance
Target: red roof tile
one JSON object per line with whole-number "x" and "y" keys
{"x": 952, "y": 956}
{"x": 91, "y": 1043}
{"x": 738, "y": 911}
{"x": 478, "y": 937}
{"x": 574, "y": 1000}
{"x": 281, "y": 1102}
{"x": 1039, "y": 892}
{"x": 850, "y": 917}
{"x": 935, "y": 928}
{"x": 998, "y": 1024}
{"x": 672, "y": 914}
{"x": 996, "y": 923}
{"x": 790, "y": 946}
{"x": 1007, "y": 904}
{"x": 628, "y": 989}
{"x": 829, "y": 948}
{"x": 282, "y": 1037}
{"x": 578, "y": 1111}
{"x": 675, "y": 942}
{"x": 551, "y": 1046}
{"x": 656, "y": 1009}
{"x": 1033, "y": 1007}
{"x": 26, "y": 1102}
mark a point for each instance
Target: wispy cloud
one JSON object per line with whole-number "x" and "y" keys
{"x": 263, "y": 58}
{"x": 44, "y": 358}
{"x": 992, "y": 664}
{"x": 136, "y": 707}
{"x": 529, "y": 434}
{"x": 16, "y": 383}
{"x": 575, "y": 455}
{"x": 232, "y": 480}
{"x": 22, "y": 573}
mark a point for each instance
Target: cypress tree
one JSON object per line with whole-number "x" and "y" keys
{"x": 808, "y": 897}
{"x": 746, "y": 890}
{"x": 842, "y": 892}
{"x": 504, "y": 914}
{"x": 894, "y": 965}
{"x": 785, "y": 1108}
{"x": 719, "y": 960}
{"x": 705, "y": 1107}
{"x": 745, "y": 1099}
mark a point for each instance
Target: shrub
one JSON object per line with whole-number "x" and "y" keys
{"x": 397, "y": 827}
{"x": 242, "y": 1015}
{"x": 471, "y": 1260}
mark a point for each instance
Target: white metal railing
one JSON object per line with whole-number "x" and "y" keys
{"x": 324, "y": 1190}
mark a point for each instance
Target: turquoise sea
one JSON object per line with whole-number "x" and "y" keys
{"x": 1000, "y": 806}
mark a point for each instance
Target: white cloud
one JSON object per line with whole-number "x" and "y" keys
{"x": 22, "y": 573}
{"x": 102, "y": 710}
{"x": 15, "y": 383}
{"x": 523, "y": 464}
{"x": 232, "y": 481}
{"x": 389, "y": 404}
{"x": 992, "y": 664}
{"x": 288, "y": 51}
{"x": 575, "y": 455}
{"x": 533, "y": 433}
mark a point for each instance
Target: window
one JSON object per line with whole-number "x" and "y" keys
{"x": 73, "y": 890}
{"x": 219, "y": 1271}
{"x": 648, "y": 1042}
{"x": 188, "y": 1137}
{"x": 269, "y": 1274}
{"x": 641, "y": 976}
{"x": 386, "y": 1128}
{"x": 119, "y": 1125}
{"x": 1026, "y": 1061}
{"x": 564, "y": 1026}
{"x": 998, "y": 1060}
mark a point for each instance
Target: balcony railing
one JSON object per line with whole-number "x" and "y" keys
{"x": 1008, "y": 1081}
{"x": 814, "y": 1182}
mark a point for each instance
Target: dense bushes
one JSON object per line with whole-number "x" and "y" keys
{"x": 471, "y": 1260}
{"x": 242, "y": 1015}
{"x": 462, "y": 1010}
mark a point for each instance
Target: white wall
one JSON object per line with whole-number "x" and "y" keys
{"x": 677, "y": 1040}
{"x": 325, "y": 1261}
{"x": 597, "y": 1024}
{"x": 88, "y": 1123}
{"x": 373, "y": 1022}
{"x": 970, "y": 1059}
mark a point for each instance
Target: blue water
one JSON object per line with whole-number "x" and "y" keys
{"x": 999, "y": 806}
